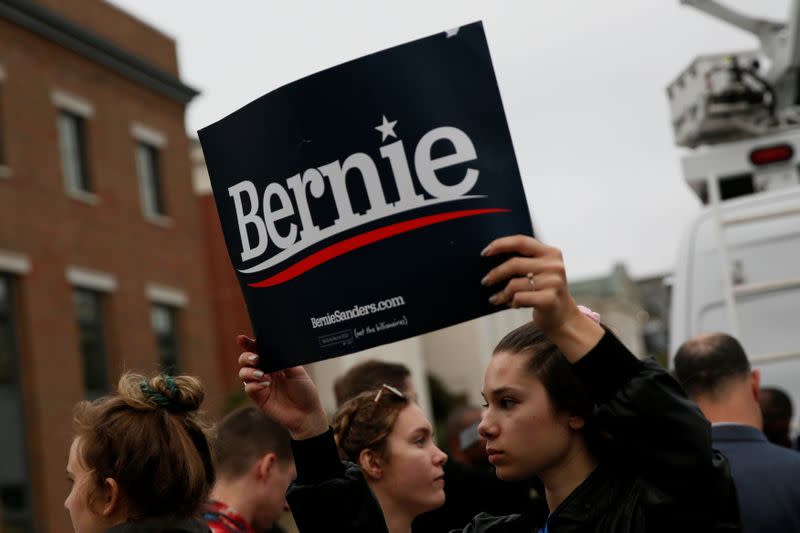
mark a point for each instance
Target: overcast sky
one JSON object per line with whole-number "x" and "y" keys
{"x": 582, "y": 83}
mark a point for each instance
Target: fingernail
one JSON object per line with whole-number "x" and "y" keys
{"x": 493, "y": 299}
{"x": 485, "y": 251}
{"x": 485, "y": 281}
{"x": 258, "y": 374}
{"x": 265, "y": 384}
{"x": 252, "y": 358}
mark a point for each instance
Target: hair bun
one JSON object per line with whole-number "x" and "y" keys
{"x": 365, "y": 421}
{"x": 178, "y": 394}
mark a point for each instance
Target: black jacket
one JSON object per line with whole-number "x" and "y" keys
{"x": 661, "y": 476}
{"x": 473, "y": 489}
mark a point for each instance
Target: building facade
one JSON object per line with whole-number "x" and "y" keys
{"x": 618, "y": 299}
{"x": 102, "y": 262}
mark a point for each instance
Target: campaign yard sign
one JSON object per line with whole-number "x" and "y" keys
{"x": 355, "y": 202}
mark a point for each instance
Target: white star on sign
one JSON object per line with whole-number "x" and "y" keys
{"x": 387, "y": 128}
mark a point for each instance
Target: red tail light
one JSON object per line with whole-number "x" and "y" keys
{"x": 771, "y": 154}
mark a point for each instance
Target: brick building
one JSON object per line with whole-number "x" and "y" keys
{"x": 102, "y": 261}
{"x": 227, "y": 303}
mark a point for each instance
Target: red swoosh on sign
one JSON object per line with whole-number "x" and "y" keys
{"x": 364, "y": 239}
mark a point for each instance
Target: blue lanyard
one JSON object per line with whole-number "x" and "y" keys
{"x": 544, "y": 529}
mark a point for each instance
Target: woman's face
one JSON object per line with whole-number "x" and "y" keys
{"x": 84, "y": 520}
{"x": 412, "y": 474}
{"x": 525, "y": 436}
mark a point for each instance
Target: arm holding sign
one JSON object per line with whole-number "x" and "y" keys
{"x": 287, "y": 396}
{"x": 537, "y": 278}
{"x": 327, "y": 491}
{"x": 661, "y": 435}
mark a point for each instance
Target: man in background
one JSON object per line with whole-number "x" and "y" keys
{"x": 776, "y": 408}
{"x": 254, "y": 467}
{"x": 714, "y": 370}
{"x": 370, "y": 376}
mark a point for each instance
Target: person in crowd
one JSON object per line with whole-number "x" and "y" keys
{"x": 715, "y": 371}
{"x": 370, "y": 375}
{"x": 140, "y": 460}
{"x": 254, "y": 466}
{"x": 776, "y": 410}
{"x": 471, "y": 487}
{"x": 465, "y": 445}
{"x": 388, "y": 436}
{"x": 617, "y": 445}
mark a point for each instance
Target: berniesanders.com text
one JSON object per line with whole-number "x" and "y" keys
{"x": 356, "y": 311}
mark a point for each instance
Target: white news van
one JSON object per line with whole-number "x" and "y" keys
{"x": 759, "y": 254}
{"x": 738, "y": 267}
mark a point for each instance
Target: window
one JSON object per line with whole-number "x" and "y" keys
{"x": 7, "y": 355}
{"x": 165, "y": 305}
{"x": 72, "y": 140}
{"x": 89, "y": 301}
{"x": 15, "y": 488}
{"x": 89, "y": 313}
{"x": 73, "y": 114}
{"x": 4, "y": 170}
{"x": 147, "y": 166}
{"x": 149, "y": 146}
{"x": 3, "y": 162}
{"x": 166, "y": 331}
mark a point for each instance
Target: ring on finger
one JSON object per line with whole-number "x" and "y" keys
{"x": 531, "y": 281}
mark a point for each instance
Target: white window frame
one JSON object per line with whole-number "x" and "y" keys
{"x": 5, "y": 170}
{"x": 87, "y": 278}
{"x": 166, "y": 295}
{"x": 154, "y": 138}
{"x": 65, "y": 101}
{"x": 148, "y": 135}
{"x": 73, "y": 104}
{"x": 14, "y": 263}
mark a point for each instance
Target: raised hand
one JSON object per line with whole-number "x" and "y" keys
{"x": 536, "y": 277}
{"x": 287, "y": 396}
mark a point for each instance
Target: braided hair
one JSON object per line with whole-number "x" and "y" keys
{"x": 366, "y": 421}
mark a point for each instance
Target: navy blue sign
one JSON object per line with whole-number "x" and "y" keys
{"x": 355, "y": 202}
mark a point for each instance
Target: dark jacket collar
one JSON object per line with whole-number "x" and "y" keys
{"x": 736, "y": 432}
{"x": 585, "y": 504}
{"x": 588, "y": 501}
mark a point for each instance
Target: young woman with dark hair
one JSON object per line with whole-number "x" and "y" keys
{"x": 615, "y": 441}
{"x": 140, "y": 459}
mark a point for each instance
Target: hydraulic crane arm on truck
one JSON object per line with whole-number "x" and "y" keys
{"x": 736, "y": 115}
{"x": 780, "y": 44}
{"x": 778, "y": 40}
{"x": 728, "y": 96}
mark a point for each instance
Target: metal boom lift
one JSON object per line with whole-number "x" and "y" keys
{"x": 737, "y": 116}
